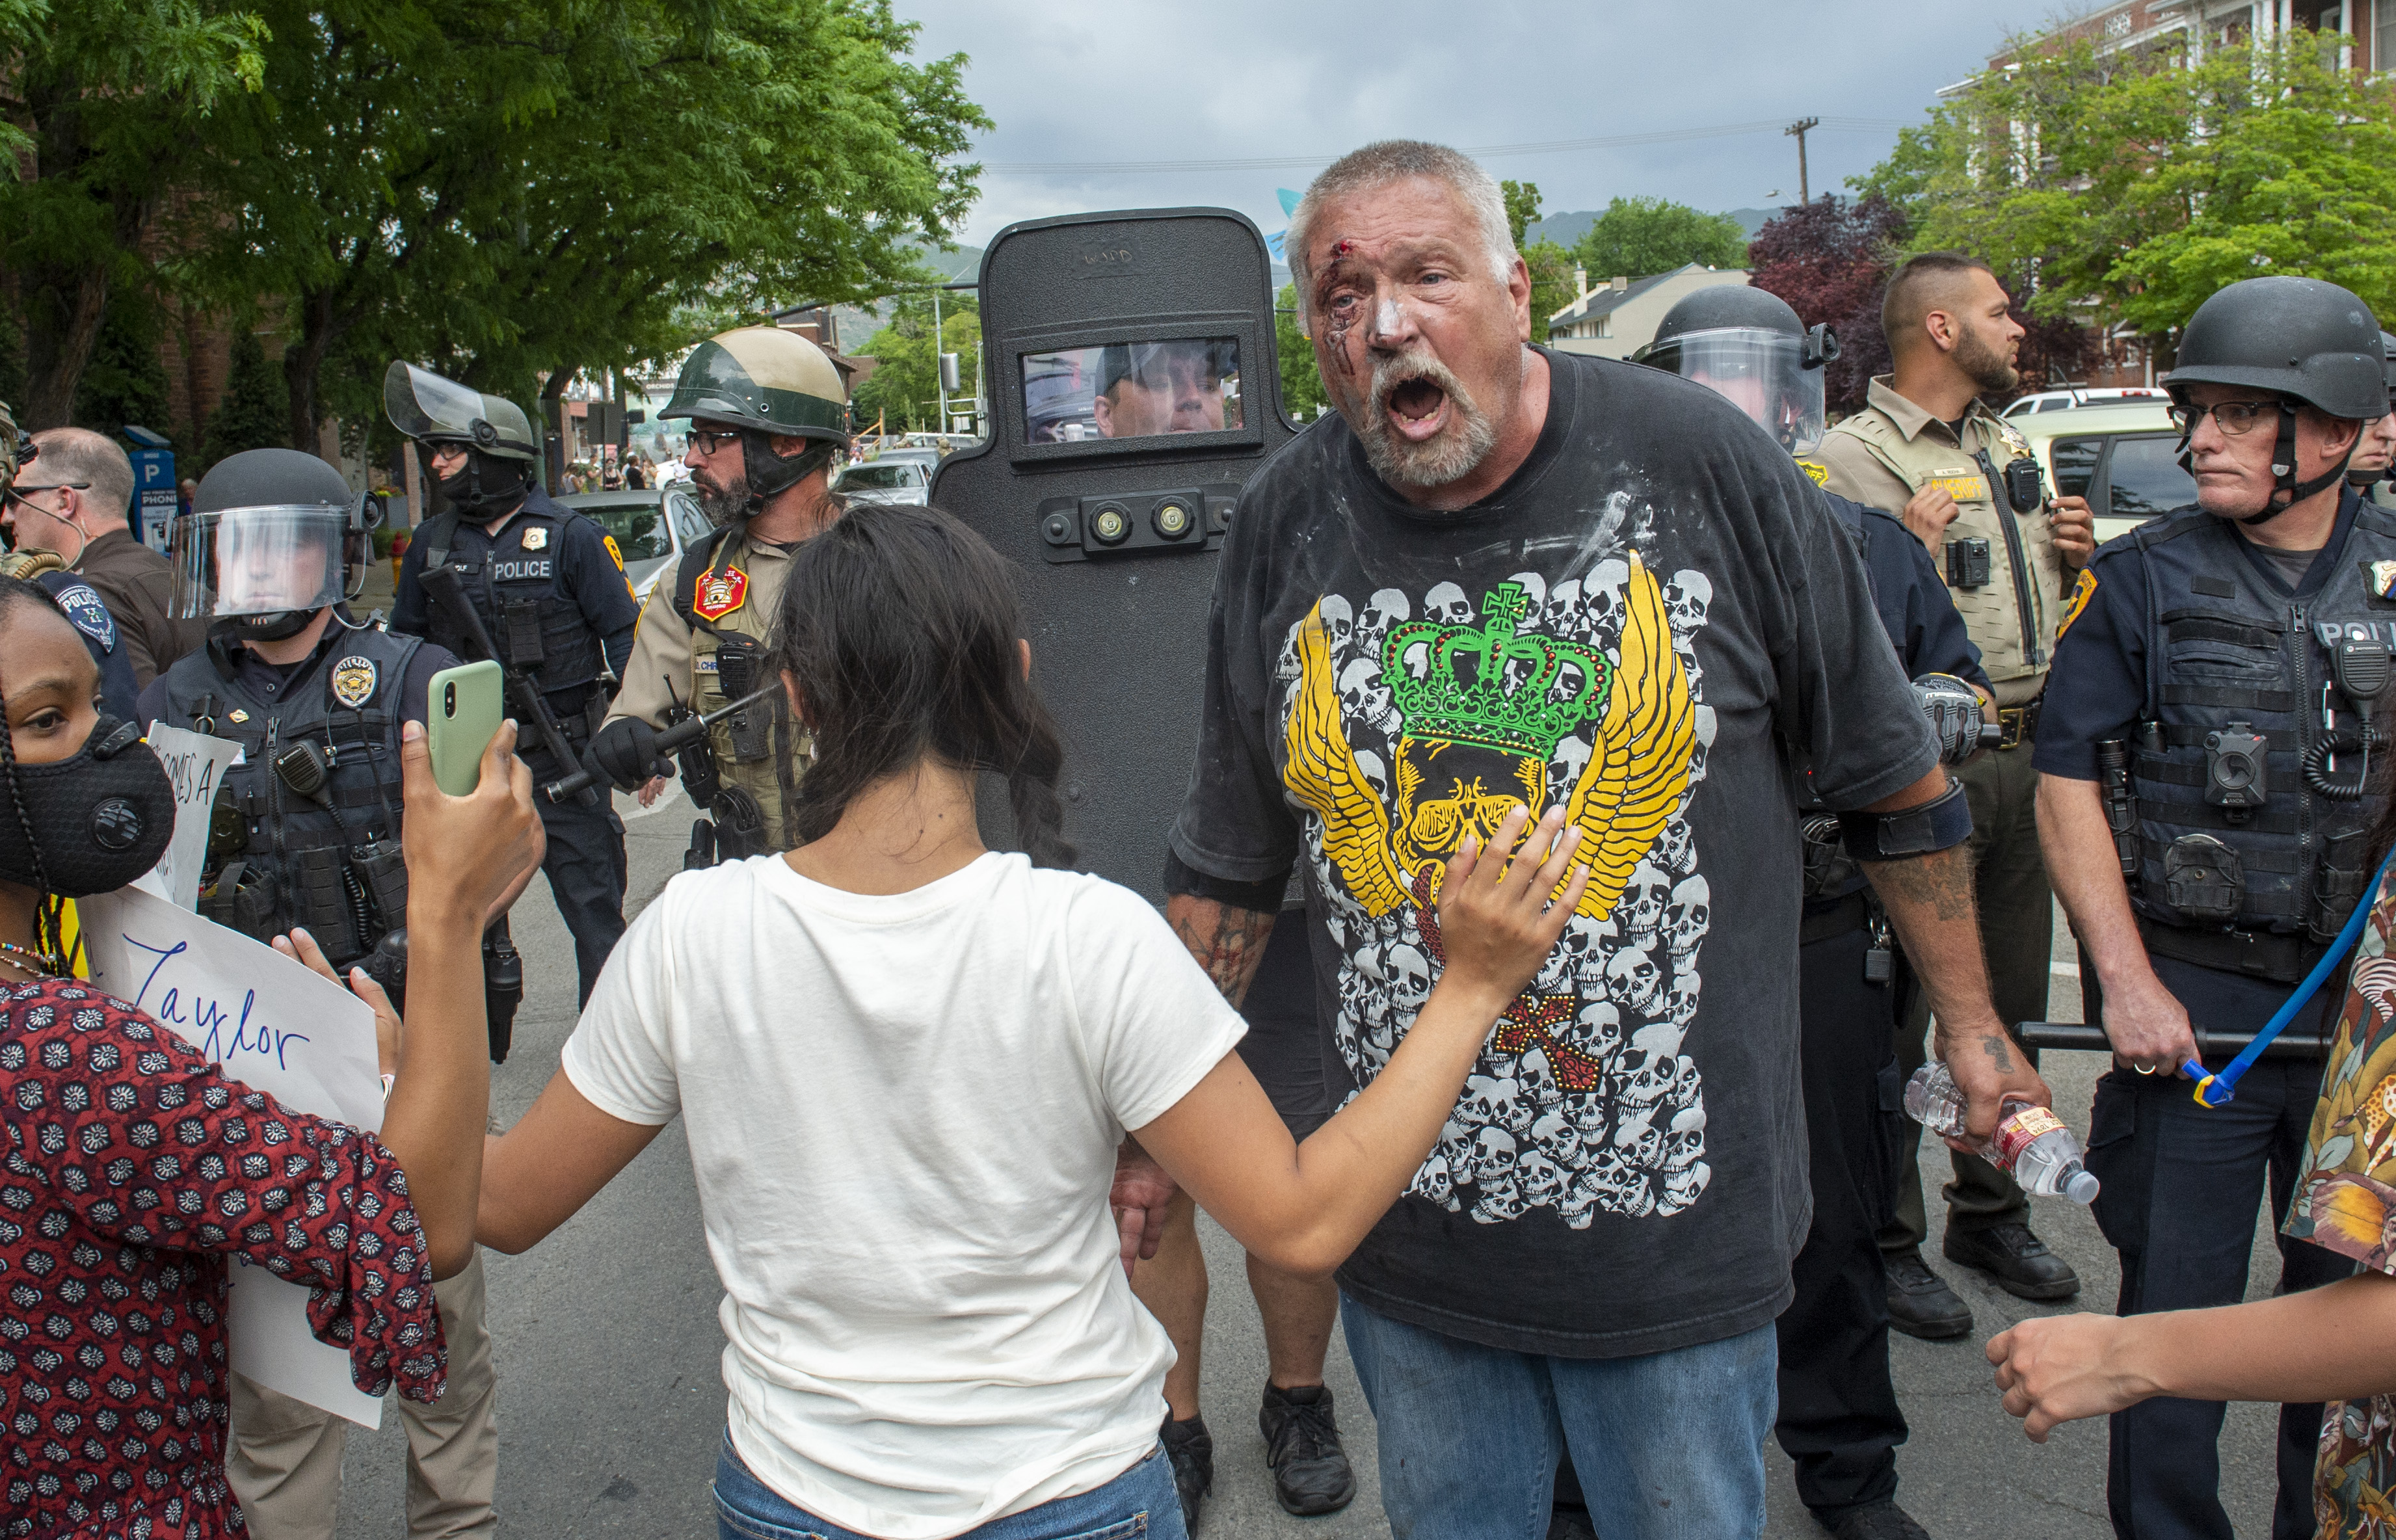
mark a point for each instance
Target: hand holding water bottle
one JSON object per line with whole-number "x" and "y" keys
{"x": 2032, "y": 1142}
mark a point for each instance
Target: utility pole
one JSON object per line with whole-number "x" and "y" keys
{"x": 1799, "y": 128}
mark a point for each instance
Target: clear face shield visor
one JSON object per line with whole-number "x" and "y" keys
{"x": 1775, "y": 379}
{"x": 261, "y": 561}
{"x": 423, "y": 406}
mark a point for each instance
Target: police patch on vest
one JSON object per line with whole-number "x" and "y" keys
{"x": 720, "y": 594}
{"x": 536, "y": 537}
{"x": 2382, "y": 576}
{"x": 90, "y": 617}
{"x": 1815, "y": 471}
{"x": 2079, "y": 601}
{"x": 354, "y": 681}
{"x": 1962, "y": 483}
{"x": 521, "y": 571}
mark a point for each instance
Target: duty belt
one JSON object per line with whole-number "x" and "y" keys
{"x": 2264, "y": 954}
{"x": 1840, "y": 917}
{"x": 2020, "y": 724}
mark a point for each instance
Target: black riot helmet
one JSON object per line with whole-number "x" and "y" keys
{"x": 497, "y": 436}
{"x": 273, "y": 536}
{"x": 767, "y": 382}
{"x": 2307, "y": 340}
{"x": 1749, "y": 348}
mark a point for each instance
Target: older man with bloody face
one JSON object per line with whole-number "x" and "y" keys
{"x": 1500, "y": 576}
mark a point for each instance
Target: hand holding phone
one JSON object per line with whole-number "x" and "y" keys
{"x": 463, "y": 713}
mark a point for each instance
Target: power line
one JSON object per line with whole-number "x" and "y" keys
{"x": 1540, "y": 147}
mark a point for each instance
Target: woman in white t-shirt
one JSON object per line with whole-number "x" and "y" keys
{"x": 907, "y": 1062}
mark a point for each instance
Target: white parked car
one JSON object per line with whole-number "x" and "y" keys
{"x": 651, "y": 528}
{"x": 2056, "y": 400}
{"x": 896, "y": 477}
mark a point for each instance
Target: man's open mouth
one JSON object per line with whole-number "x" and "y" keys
{"x": 1418, "y": 408}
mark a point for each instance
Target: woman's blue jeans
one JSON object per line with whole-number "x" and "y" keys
{"x": 1139, "y": 1504}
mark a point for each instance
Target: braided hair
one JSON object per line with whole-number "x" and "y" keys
{"x": 899, "y": 625}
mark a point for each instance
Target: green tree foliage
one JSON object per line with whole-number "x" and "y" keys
{"x": 2131, "y": 188}
{"x": 1521, "y": 207}
{"x": 1636, "y": 237}
{"x": 1302, "y": 395}
{"x": 108, "y": 108}
{"x": 904, "y": 393}
{"x": 125, "y": 381}
{"x": 1552, "y": 284}
{"x": 253, "y": 414}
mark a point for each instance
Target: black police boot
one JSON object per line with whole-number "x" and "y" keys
{"x": 2019, "y": 1261}
{"x": 1875, "y": 1521}
{"x": 1192, "y": 1450}
{"x": 1920, "y": 1303}
{"x": 1310, "y": 1468}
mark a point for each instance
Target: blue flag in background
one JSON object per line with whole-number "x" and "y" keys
{"x": 1288, "y": 206}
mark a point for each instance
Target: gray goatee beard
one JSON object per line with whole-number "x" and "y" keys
{"x": 722, "y": 505}
{"x": 1458, "y": 450}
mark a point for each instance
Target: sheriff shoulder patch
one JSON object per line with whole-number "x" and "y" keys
{"x": 354, "y": 681}
{"x": 536, "y": 537}
{"x": 615, "y": 553}
{"x": 2085, "y": 591}
{"x": 1815, "y": 471}
{"x": 720, "y": 594}
{"x": 90, "y": 615}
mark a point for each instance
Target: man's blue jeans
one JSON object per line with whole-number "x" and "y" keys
{"x": 1668, "y": 1447}
{"x": 2182, "y": 1182}
{"x": 1139, "y": 1504}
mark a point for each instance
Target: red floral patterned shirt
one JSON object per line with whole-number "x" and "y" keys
{"x": 133, "y": 1168}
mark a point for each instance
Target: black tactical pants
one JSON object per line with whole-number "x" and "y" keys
{"x": 586, "y": 870}
{"x": 1839, "y": 1418}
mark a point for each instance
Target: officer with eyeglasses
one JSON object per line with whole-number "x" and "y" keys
{"x": 2207, "y": 795}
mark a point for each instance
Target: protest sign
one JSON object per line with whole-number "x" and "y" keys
{"x": 196, "y": 763}
{"x": 273, "y": 1023}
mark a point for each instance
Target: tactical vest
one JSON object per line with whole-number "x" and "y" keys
{"x": 2239, "y": 872}
{"x": 518, "y": 588}
{"x": 728, "y": 660}
{"x": 2012, "y": 608}
{"x": 278, "y": 857}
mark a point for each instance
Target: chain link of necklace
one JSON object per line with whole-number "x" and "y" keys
{"x": 36, "y": 963}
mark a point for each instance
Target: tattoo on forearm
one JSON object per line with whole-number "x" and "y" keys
{"x": 1227, "y": 943}
{"x": 1940, "y": 881}
{"x": 1999, "y": 1052}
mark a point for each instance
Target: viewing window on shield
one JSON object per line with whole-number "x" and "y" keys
{"x": 1133, "y": 390}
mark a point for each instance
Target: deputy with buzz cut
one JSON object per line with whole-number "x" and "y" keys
{"x": 767, "y": 413}
{"x": 1928, "y": 449}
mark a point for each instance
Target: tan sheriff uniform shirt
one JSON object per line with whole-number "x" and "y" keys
{"x": 1892, "y": 450}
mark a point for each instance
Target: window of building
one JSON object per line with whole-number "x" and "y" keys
{"x": 2383, "y": 35}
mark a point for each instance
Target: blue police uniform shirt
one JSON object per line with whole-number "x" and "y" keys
{"x": 1911, "y": 597}
{"x": 118, "y": 697}
{"x": 586, "y": 571}
{"x": 265, "y": 680}
{"x": 2097, "y": 690}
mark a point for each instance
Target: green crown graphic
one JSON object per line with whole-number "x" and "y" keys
{"x": 1515, "y": 696}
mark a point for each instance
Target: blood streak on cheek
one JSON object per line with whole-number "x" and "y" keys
{"x": 1335, "y": 335}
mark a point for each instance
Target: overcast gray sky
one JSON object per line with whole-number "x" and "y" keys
{"x": 1078, "y": 82}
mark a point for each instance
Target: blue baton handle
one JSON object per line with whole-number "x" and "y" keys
{"x": 2219, "y": 1090}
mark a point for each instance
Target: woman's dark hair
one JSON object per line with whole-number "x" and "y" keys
{"x": 900, "y": 626}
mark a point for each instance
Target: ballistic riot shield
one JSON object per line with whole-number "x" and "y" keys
{"x": 1129, "y": 363}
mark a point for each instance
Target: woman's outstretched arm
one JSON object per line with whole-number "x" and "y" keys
{"x": 553, "y": 1161}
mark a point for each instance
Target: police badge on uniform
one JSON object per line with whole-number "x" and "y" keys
{"x": 536, "y": 537}
{"x": 90, "y": 617}
{"x": 354, "y": 681}
{"x": 720, "y": 594}
{"x": 2383, "y": 578}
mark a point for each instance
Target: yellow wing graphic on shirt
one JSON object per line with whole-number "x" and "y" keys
{"x": 1645, "y": 743}
{"x": 1321, "y": 773}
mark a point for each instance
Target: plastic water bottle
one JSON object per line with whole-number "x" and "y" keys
{"x": 2032, "y": 1142}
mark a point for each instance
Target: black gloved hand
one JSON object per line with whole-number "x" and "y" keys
{"x": 1957, "y": 714}
{"x": 624, "y": 753}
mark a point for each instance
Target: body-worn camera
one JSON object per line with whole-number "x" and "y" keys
{"x": 2236, "y": 776}
{"x": 1967, "y": 562}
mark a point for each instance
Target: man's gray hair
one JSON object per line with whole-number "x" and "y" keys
{"x": 80, "y": 455}
{"x": 1387, "y": 161}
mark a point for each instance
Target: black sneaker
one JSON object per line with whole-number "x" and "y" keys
{"x": 2018, "y": 1260}
{"x": 1877, "y": 1522}
{"x": 1920, "y": 1303}
{"x": 1192, "y": 1450}
{"x": 1310, "y": 1468}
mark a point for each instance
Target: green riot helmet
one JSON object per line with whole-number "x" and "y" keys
{"x": 771, "y": 383}
{"x": 498, "y": 437}
{"x": 2306, "y": 339}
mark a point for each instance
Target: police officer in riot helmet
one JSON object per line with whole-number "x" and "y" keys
{"x": 2207, "y": 792}
{"x": 767, "y": 412}
{"x": 2370, "y": 467}
{"x": 306, "y": 836}
{"x": 1839, "y": 1416}
{"x": 545, "y": 586}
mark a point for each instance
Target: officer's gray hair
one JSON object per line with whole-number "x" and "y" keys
{"x": 1387, "y": 161}
{"x": 80, "y": 455}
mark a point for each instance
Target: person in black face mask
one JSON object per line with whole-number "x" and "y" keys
{"x": 547, "y": 585}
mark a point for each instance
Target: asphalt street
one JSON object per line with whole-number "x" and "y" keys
{"x": 611, "y": 1403}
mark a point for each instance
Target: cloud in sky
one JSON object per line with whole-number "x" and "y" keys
{"x": 1074, "y": 82}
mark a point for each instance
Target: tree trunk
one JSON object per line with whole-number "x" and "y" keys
{"x": 303, "y": 361}
{"x": 62, "y": 313}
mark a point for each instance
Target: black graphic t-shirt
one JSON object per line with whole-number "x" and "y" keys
{"x": 1645, "y": 624}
